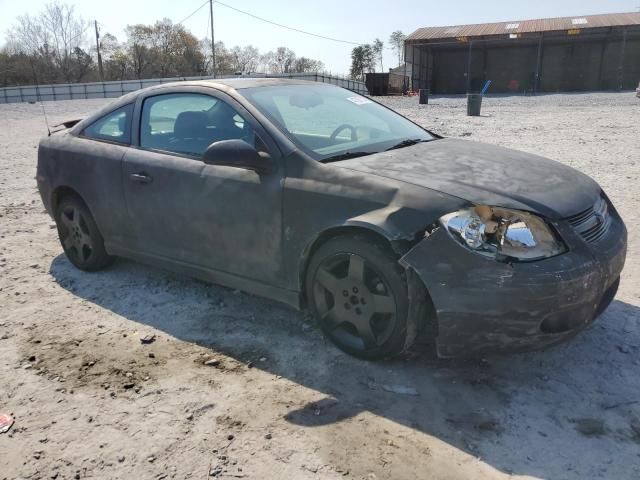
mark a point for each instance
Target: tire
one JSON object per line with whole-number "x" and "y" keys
{"x": 358, "y": 293}
{"x": 79, "y": 235}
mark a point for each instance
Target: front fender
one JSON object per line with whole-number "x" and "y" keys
{"x": 388, "y": 222}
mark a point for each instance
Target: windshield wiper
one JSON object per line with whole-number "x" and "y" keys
{"x": 345, "y": 156}
{"x": 407, "y": 143}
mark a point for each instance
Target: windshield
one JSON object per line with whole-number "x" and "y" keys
{"x": 330, "y": 123}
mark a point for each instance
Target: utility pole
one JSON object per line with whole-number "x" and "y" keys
{"x": 95, "y": 22}
{"x": 213, "y": 41}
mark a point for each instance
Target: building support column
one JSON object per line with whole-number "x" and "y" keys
{"x": 603, "y": 50}
{"x": 405, "y": 84}
{"x": 413, "y": 65}
{"x": 420, "y": 82}
{"x": 469, "y": 67}
{"x": 429, "y": 68}
{"x": 621, "y": 65}
{"x": 485, "y": 53}
{"x": 536, "y": 80}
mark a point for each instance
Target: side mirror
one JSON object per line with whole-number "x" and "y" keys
{"x": 237, "y": 153}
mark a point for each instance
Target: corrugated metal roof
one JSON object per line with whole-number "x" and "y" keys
{"x": 527, "y": 26}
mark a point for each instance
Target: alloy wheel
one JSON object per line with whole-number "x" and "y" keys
{"x": 75, "y": 234}
{"x": 356, "y": 306}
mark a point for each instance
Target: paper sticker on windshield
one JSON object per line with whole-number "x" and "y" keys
{"x": 359, "y": 100}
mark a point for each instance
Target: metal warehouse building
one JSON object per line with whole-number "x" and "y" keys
{"x": 597, "y": 52}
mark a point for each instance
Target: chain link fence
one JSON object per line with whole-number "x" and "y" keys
{"x": 81, "y": 91}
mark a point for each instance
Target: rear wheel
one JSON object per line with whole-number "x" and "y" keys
{"x": 81, "y": 240}
{"x": 358, "y": 293}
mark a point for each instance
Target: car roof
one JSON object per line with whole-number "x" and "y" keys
{"x": 227, "y": 85}
{"x": 249, "y": 82}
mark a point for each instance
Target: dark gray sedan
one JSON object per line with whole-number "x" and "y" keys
{"x": 321, "y": 198}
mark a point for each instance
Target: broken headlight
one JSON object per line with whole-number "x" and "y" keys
{"x": 503, "y": 234}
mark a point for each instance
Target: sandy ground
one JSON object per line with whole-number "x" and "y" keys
{"x": 91, "y": 401}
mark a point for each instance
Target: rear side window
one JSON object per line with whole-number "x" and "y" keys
{"x": 113, "y": 127}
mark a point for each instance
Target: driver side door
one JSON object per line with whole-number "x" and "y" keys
{"x": 180, "y": 209}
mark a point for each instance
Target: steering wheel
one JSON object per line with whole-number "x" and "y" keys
{"x": 344, "y": 126}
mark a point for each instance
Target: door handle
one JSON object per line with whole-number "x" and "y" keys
{"x": 140, "y": 178}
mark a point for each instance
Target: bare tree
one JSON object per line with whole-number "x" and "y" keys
{"x": 164, "y": 49}
{"x": 265, "y": 62}
{"x": 16, "y": 68}
{"x": 57, "y": 33}
{"x": 224, "y": 59}
{"x": 396, "y": 39}
{"x": 118, "y": 65}
{"x": 52, "y": 47}
{"x": 282, "y": 60}
{"x": 378, "y": 49}
{"x": 245, "y": 59}
{"x": 139, "y": 50}
{"x": 108, "y": 45}
{"x": 307, "y": 65}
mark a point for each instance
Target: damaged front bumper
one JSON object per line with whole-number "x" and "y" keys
{"x": 485, "y": 306}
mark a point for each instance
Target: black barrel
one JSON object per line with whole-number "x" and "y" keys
{"x": 474, "y": 104}
{"x": 424, "y": 96}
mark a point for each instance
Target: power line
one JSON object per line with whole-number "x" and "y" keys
{"x": 286, "y": 26}
{"x": 193, "y": 13}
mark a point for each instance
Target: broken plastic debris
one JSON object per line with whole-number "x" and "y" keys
{"x": 6, "y": 421}
{"x": 400, "y": 389}
{"x": 147, "y": 339}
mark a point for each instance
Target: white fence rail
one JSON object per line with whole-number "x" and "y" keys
{"x": 81, "y": 91}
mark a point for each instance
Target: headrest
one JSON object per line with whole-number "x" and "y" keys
{"x": 190, "y": 124}
{"x": 222, "y": 115}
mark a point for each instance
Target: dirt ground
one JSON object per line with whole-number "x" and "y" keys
{"x": 91, "y": 401}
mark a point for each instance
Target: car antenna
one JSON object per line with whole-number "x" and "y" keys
{"x": 46, "y": 120}
{"x": 39, "y": 97}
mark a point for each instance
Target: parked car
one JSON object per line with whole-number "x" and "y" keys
{"x": 638, "y": 91}
{"x": 318, "y": 197}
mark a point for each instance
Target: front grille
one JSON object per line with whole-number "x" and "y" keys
{"x": 592, "y": 224}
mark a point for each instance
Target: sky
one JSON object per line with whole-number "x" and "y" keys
{"x": 359, "y": 21}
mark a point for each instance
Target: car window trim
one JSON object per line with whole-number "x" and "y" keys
{"x": 103, "y": 140}
{"x": 112, "y": 142}
{"x": 169, "y": 153}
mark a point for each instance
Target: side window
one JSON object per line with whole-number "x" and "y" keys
{"x": 188, "y": 123}
{"x": 113, "y": 127}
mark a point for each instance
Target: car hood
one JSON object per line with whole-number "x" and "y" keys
{"x": 485, "y": 174}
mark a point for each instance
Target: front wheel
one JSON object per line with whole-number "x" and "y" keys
{"x": 81, "y": 240}
{"x": 358, "y": 293}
